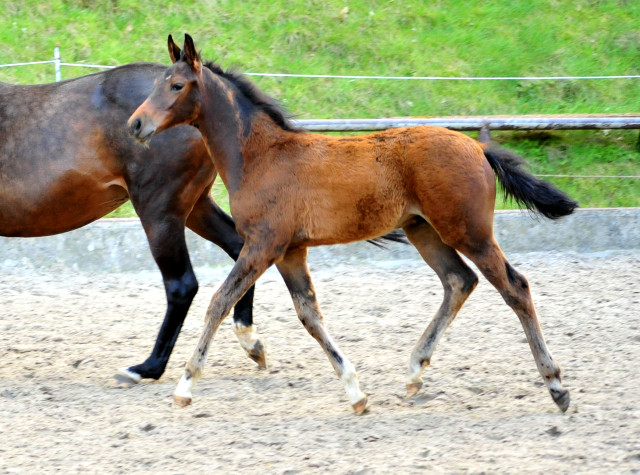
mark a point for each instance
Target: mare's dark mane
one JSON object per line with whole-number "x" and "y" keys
{"x": 267, "y": 104}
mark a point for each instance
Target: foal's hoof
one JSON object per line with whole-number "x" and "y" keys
{"x": 562, "y": 399}
{"x": 179, "y": 402}
{"x": 124, "y": 379}
{"x": 413, "y": 388}
{"x": 360, "y": 406}
{"x": 259, "y": 353}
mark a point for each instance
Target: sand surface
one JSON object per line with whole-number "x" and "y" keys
{"x": 483, "y": 409}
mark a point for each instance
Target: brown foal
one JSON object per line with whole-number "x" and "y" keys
{"x": 289, "y": 190}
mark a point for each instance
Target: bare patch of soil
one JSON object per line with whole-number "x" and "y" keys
{"x": 484, "y": 408}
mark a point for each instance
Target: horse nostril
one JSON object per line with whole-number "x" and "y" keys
{"x": 137, "y": 126}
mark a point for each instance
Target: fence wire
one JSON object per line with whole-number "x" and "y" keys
{"x": 404, "y": 78}
{"x": 350, "y": 76}
{"x": 26, "y": 64}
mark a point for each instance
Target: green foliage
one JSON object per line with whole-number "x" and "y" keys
{"x": 375, "y": 37}
{"x": 124, "y": 211}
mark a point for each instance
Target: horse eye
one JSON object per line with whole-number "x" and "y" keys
{"x": 177, "y": 86}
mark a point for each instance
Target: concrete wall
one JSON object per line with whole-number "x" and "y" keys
{"x": 119, "y": 245}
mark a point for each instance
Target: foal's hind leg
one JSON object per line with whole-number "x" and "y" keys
{"x": 295, "y": 273}
{"x": 514, "y": 289}
{"x": 458, "y": 281}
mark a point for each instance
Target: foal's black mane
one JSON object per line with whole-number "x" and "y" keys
{"x": 267, "y": 104}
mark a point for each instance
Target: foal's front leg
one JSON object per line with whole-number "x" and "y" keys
{"x": 248, "y": 268}
{"x": 209, "y": 221}
{"x": 295, "y": 273}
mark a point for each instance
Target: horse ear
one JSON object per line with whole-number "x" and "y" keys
{"x": 174, "y": 50}
{"x": 191, "y": 55}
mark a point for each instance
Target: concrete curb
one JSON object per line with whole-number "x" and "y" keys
{"x": 120, "y": 245}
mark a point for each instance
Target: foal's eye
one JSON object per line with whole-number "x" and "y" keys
{"x": 177, "y": 86}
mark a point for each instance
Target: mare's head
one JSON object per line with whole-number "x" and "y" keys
{"x": 175, "y": 98}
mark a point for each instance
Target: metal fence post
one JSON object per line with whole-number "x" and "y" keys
{"x": 484, "y": 136}
{"x": 56, "y": 57}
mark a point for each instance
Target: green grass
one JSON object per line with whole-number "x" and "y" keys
{"x": 413, "y": 38}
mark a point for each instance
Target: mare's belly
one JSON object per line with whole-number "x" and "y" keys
{"x": 36, "y": 209}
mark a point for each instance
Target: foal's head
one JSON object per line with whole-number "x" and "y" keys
{"x": 175, "y": 98}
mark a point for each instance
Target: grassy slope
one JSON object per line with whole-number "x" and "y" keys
{"x": 444, "y": 38}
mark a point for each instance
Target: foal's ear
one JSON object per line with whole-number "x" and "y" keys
{"x": 174, "y": 50}
{"x": 191, "y": 55}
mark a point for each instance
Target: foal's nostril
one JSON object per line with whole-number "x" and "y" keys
{"x": 136, "y": 127}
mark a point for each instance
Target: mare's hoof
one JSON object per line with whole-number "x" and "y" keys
{"x": 124, "y": 379}
{"x": 259, "y": 353}
{"x": 179, "y": 402}
{"x": 562, "y": 399}
{"x": 360, "y": 406}
{"x": 413, "y": 388}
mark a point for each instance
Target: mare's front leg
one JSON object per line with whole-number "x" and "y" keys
{"x": 295, "y": 273}
{"x": 165, "y": 182}
{"x": 169, "y": 248}
{"x": 208, "y": 220}
{"x": 251, "y": 264}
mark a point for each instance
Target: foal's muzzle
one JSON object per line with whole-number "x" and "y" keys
{"x": 141, "y": 129}
{"x": 136, "y": 127}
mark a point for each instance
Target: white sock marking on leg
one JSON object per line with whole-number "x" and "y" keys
{"x": 247, "y": 336}
{"x": 349, "y": 379}
{"x": 414, "y": 374}
{"x": 554, "y": 385}
{"x": 184, "y": 387}
{"x": 130, "y": 374}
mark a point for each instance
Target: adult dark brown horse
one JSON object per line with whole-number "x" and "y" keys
{"x": 290, "y": 190}
{"x": 66, "y": 160}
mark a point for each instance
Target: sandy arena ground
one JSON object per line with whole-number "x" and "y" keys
{"x": 483, "y": 409}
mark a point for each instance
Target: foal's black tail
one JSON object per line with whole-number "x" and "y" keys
{"x": 526, "y": 189}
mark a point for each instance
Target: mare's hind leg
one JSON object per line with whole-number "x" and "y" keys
{"x": 295, "y": 273}
{"x": 458, "y": 281}
{"x": 514, "y": 289}
{"x": 210, "y": 222}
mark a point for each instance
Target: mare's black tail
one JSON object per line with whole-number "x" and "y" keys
{"x": 526, "y": 189}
